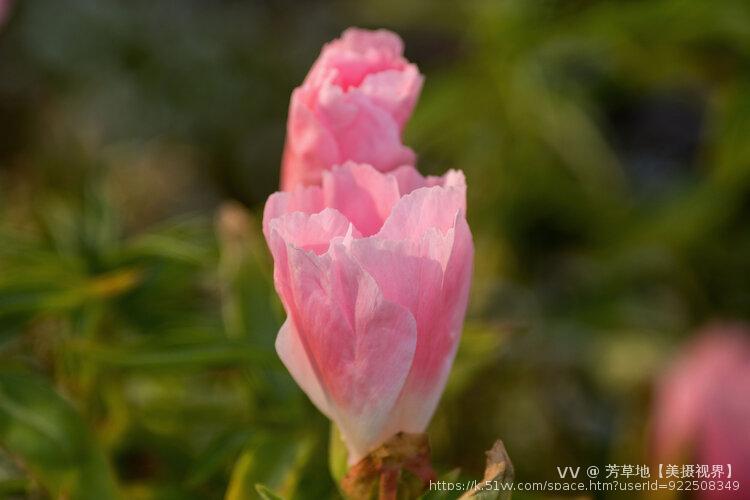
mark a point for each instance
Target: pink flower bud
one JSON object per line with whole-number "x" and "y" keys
{"x": 353, "y": 105}
{"x": 373, "y": 270}
{"x": 702, "y": 409}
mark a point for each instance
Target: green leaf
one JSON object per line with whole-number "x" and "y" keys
{"x": 449, "y": 477}
{"x": 265, "y": 493}
{"x": 187, "y": 241}
{"x": 44, "y": 431}
{"x": 217, "y": 455}
{"x": 276, "y": 460}
{"x": 175, "y": 357}
{"x": 479, "y": 348}
{"x": 249, "y": 305}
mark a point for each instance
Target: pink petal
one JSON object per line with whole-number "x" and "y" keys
{"x": 310, "y": 146}
{"x": 410, "y": 280}
{"x": 423, "y": 209}
{"x": 437, "y": 348}
{"x": 430, "y": 276}
{"x": 364, "y": 195}
{"x": 292, "y": 352}
{"x": 409, "y": 179}
{"x": 360, "y": 40}
{"x": 302, "y": 199}
{"x": 355, "y": 55}
{"x": 359, "y": 345}
{"x": 395, "y": 91}
{"x": 312, "y": 232}
{"x": 364, "y": 131}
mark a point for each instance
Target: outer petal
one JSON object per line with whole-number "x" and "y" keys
{"x": 436, "y": 351}
{"x": 308, "y": 200}
{"x": 424, "y": 209}
{"x": 435, "y": 289}
{"x": 292, "y": 352}
{"x": 425, "y": 265}
{"x": 313, "y": 232}
{"x": 359, "y": 345}
{"x": 310, "y": 146}
{"x": 364, "y": 195}
{"x": 409, "y": 179}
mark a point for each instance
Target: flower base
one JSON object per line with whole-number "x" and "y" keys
{"x": 383, "y": 470}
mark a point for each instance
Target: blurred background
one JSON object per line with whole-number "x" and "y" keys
{"x": 607, "y": 150}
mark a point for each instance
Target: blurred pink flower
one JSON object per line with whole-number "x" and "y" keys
{"x": 353, "y": 105}
{"x": 373, "y": 270}
{"x": 702, "y": 412}
{"x": 5, "y": 6}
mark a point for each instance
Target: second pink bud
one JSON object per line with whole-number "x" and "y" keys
{"x": 352, "y": 106}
